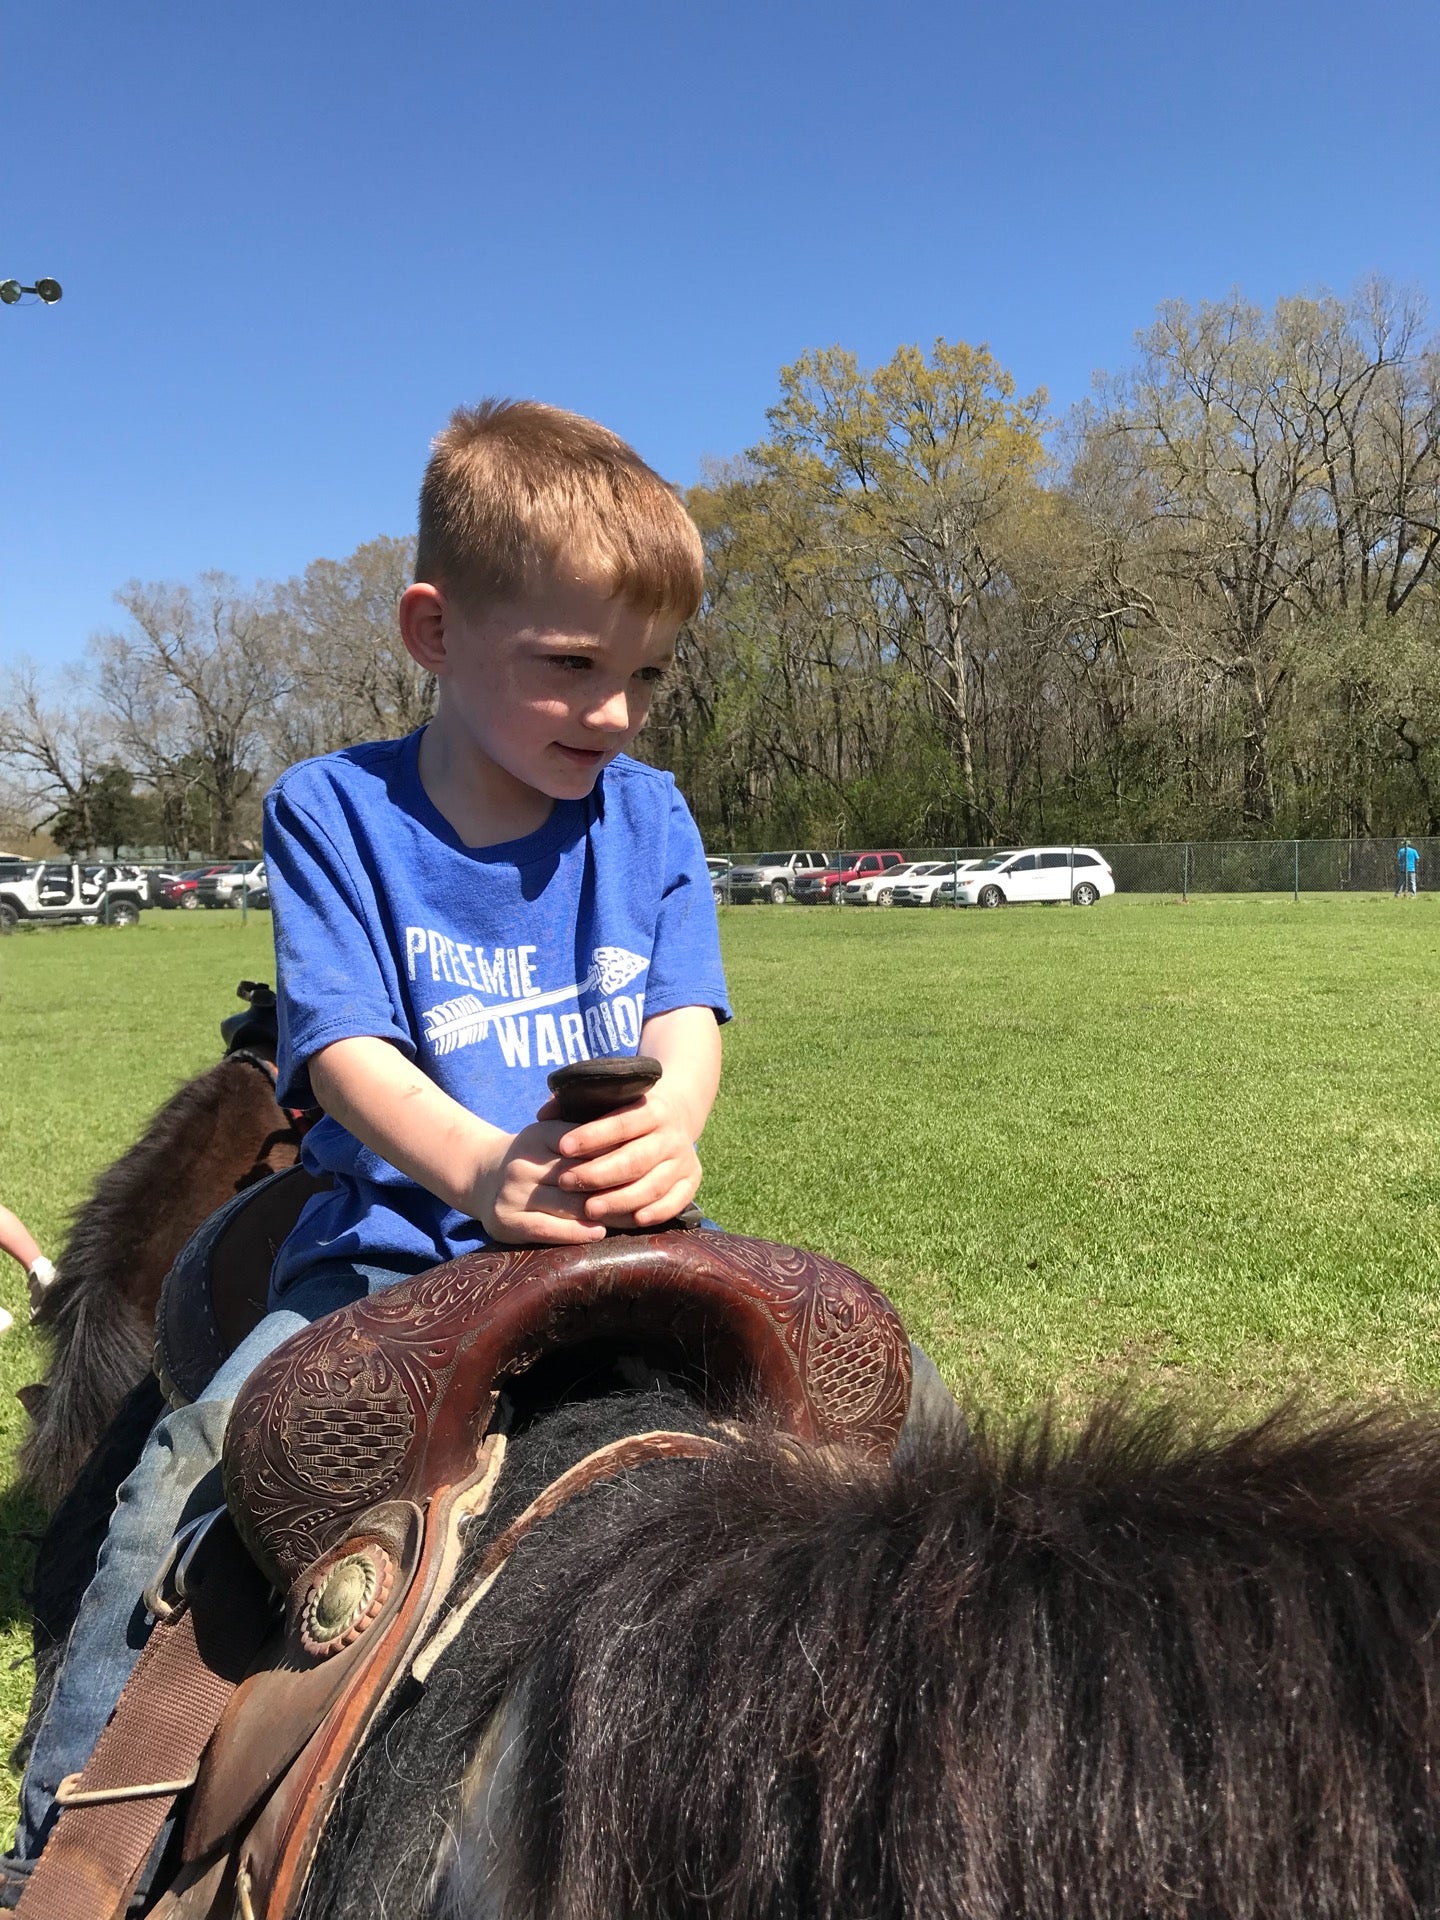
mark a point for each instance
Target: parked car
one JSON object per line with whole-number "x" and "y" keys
{"x": 936, "y": 888}
{"x": 1077, "y": 874}
{"x": 878, "y": 888}
{"x": 719, "y": 877}
{"x": 772, "y": 876}
{"x": 181, "y": 889}
{"x": 831, "y": 881}
{"x": 60, "y": 891}
{"x": 224, "y": 886}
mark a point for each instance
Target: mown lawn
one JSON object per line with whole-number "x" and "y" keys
{"x": 1177, "y": 1144}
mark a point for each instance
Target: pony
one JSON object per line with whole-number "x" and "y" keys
{"x": 1138, "y": 1668}
{"x": 1133, "y": 1667}
{"x": 220, "y": 1132}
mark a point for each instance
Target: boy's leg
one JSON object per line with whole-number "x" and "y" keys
{"x": 176, "y": 1479}
{"x": 934, "y": 1410}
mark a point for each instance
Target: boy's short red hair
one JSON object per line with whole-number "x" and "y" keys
{"x": 515, "y": 490}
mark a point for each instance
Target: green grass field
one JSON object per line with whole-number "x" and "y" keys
{"x": 1171, "y": 1143}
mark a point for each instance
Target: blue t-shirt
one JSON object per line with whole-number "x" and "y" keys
{"x": 486, "y": 966}
{"x": 1409, "y": 858}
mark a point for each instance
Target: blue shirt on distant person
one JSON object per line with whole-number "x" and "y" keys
{"x": 1409, "y": 858}
{"x": 487, "y": 966}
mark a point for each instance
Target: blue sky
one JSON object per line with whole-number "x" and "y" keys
{"x": 293, "y": 237}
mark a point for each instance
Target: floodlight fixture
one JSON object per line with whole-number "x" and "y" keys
{"x": 11, "y": 291}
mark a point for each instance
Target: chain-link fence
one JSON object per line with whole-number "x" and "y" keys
{"x": 936, "y": 875}
{"x": 1272, "y": 866}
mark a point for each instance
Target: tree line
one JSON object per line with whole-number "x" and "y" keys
{"x": 1202, "y": 605}
{"x": 171, "y": 735}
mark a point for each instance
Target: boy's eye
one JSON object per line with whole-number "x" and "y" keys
{"x": 652, "y": 674}
{"x": 572, "y": 662}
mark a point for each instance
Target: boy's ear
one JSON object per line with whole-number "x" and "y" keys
{"x": 422, "y": 626}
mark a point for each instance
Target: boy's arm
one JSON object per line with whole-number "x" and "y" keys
{"x": 640, "y": 1167}
{"x": 508, "y": 1182}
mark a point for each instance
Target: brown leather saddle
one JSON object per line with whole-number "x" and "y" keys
{"x": 215, "y": 1292}
{"x": 355, "y": 1456}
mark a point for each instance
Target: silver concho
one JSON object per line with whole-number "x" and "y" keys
{"x": 343, "y": 1600}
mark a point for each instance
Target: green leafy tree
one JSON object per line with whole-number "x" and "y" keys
{"x": 105, "y": 814}
{"x": 923, "y": 462}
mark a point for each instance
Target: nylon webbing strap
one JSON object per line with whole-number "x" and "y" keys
{"x": 161, "y": 1725}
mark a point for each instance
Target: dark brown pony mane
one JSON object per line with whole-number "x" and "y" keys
{"x": 221, "y": 1129}
{"x": 1140, "y": 1669}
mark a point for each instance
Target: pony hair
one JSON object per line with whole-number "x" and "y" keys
{"x": 1138, "y": 1670}
{"x": 219, "y": 1131}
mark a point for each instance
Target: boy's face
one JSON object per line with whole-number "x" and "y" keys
{"x": 546, "y": 690}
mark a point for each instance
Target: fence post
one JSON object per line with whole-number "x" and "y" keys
{"x": 1185, "y": 879}
{"x": 1297, "y": 871}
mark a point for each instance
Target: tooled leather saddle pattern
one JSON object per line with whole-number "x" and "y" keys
{"x": 841, "y": 1334}
{"x": 342, "y": 1408}
{"x": 359, "y": 1408}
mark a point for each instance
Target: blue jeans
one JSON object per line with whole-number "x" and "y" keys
{"x": 176, "y": 1478}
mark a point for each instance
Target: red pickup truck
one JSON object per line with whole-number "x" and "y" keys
{"x": 831, "y": 884}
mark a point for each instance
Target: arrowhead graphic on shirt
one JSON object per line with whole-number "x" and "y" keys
{"x": 464, "y": 1020}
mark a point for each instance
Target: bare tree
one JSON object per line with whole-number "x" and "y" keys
{"x": 1292, "y": 464}
{"x": 191, "y": 687}
{"x": 340, "y": 639}
{"x": 53, "y": 742}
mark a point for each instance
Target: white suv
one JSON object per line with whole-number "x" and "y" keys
{"x": 62, "y": 892}
{"x": 1077, "y": 874}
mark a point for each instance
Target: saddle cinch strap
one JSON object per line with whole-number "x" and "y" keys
{"x": 358, "y": 1451}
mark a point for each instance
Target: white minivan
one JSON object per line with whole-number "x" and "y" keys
{"x": 1077, "y": 874}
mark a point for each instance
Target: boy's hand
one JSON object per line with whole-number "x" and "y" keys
{"x": 635, "y": 1168}
{"x": 520, "y": 1201}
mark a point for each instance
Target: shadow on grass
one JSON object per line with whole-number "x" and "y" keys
{"x": 22, "y": 1523}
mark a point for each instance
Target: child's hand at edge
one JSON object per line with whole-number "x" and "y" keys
{"x": 520, "y": 1200}
{"x": 637, "y": 1167}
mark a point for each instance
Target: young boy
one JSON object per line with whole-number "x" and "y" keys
{"x": 456, "y": 913}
